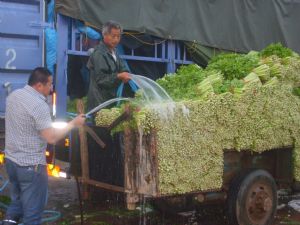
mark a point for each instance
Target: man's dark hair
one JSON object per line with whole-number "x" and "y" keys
{"x": 39, "y": 75}
{"x": 106, "y": 29}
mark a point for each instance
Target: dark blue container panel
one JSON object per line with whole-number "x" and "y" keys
{"x": 17, "y": 80}
{"x": 20, "y": 56}
{"x": 21, "y": 42}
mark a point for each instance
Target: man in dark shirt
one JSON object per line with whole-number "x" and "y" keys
{"x": 107, "y": 70}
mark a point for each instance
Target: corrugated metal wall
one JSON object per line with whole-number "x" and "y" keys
{"x": 21, "y": 42}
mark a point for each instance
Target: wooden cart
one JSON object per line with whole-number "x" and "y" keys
{"x": 129, "y": 163}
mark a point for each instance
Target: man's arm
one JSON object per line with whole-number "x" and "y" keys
{"x": 105, "y": 79}
{"x": 52, "y": 135}
{"x": 123, "y": 72}
{"x": 123, "y": 67}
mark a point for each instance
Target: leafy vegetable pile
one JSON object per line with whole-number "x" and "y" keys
{"x": 230, "y": 72}
{"x": 240, "y": 102}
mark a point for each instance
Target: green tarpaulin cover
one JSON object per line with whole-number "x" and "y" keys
{"x": 236, "y": 25}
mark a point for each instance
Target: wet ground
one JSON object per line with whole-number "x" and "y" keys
{"x": 63, "y": 198}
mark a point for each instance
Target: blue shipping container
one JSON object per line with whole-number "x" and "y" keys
{"x": 21, "y": 43}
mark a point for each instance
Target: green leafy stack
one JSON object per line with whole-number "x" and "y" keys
{"x": 234, "y": 65}
{"x": 276, "y": 49}
{"x": 240, "y": 101}
{"x": 182, "y": 84}
{"x": 105, "y": 117}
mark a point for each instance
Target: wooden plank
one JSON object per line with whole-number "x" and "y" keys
{"x": 284, "y": 167}
{"x": 129, "y": 161}
{"x": 275, "y": 161}
{"x": 146, "y": 166}
{"x": 130, "y": 165}
{"x": 102, "y": 185}
{"x": 154, "y": 163}
{"x": 84, "y": 155}
{"x": 124, "y": 116}
{"x": 93, "y": 134}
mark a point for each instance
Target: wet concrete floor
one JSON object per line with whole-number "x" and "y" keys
{"x": 63, "y": 197}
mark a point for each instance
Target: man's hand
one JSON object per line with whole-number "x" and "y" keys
{"x": 78, "y": 121}
{"x": 124, "y": 76}
{"x": 52, "y": 135}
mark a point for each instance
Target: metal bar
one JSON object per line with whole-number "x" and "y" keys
{"x": 128, "y": 57}
{"x": 73, "y": 35}
{"x": 38, "y": 24}
{"x": 19, "y": 36}
{"x": 171, "y": 67}
{"x": 80, "y": 42}
{"x": 178, "y": 61}
{"x": 28, "y": 2}
{"x": 15, "y": 71}
{"x": 61, "y": 68}
{"x": 75, "y": 52}
{"x": 184, "y": 53}
{"x": 139, "y": 58}
{"x": 43, "y": 35}
{"x": 177, "y": 53}
{"x": 163, "y": 50}
{"x": 143, "y": 58}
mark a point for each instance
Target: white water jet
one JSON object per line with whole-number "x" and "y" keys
{"x": 107, "y": 103}
{"x": 152, "y": 90}
{"x": 156, "y": 97}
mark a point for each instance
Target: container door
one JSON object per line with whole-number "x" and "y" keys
{"x": 21, "y": 43}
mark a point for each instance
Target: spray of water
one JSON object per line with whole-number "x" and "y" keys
{"x": 156, "y": 98}
{"x": 152, "y": 90}
{"x": 107, "y": 103}
{"x": 185, "y": 111}
{"x": 154, "y": 95}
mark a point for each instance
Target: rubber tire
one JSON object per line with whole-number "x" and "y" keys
{"x": 237, "y": 195}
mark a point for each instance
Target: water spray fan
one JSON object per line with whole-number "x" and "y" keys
{"x": 132, "y": 85}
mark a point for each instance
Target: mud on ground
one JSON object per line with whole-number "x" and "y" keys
{"x": 63, "y": 196}
{"x": 109, "y": 210}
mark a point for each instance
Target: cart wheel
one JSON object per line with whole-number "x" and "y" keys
{"x": 252, "y": 199}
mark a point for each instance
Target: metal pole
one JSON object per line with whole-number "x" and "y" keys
{"x": 61, "y": 68}
{"x": 171, "y": 66}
